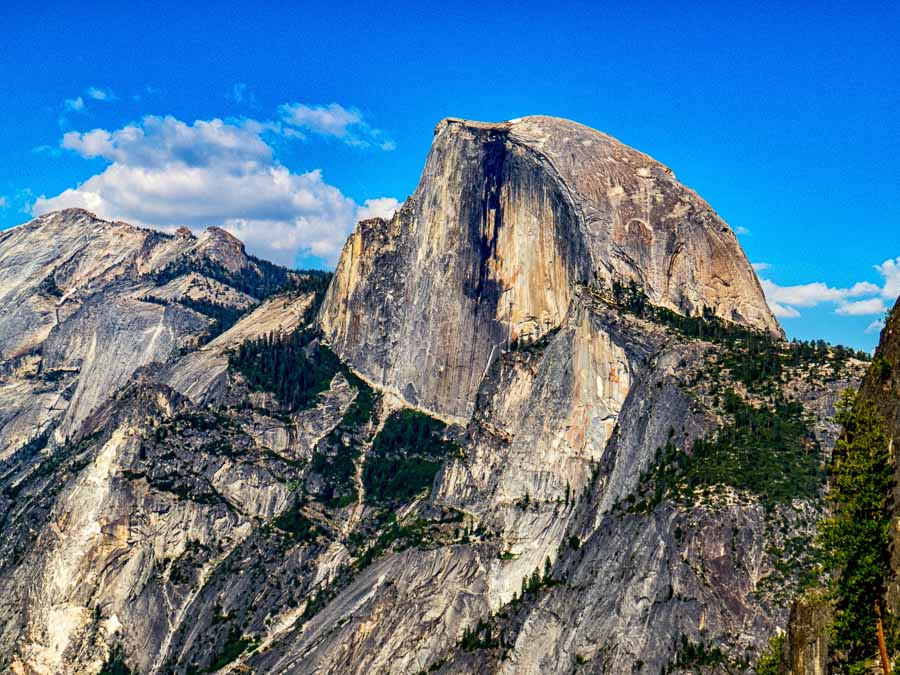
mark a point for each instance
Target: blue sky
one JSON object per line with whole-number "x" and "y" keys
{"x": 288, "y": 121}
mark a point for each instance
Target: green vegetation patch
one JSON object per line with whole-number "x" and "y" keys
{"x": 234, "y": 646}
{"x": 769, "y": 662}
{"x": 279, "y": 364}
{"x": 856, "y": 538}
{"x": 768, "y": 451}
{"x": 753, "y": 357}
{"x": 296, "y": 524}
{"x": 480, "y": 636}
{"x": 335, "y": 457}
{"x": 115, "y": 663}
{"x": 692, "y": 655}
{"x": 406, "y": 456}
{"x": 259, "y": 280}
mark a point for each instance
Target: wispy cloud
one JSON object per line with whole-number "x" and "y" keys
{"x": 345, "y": 124}
{"x": 810, "y": 295}
{"x": 784, "y": 300}
{"x": 165, "y": 172}
{"x": 51, "y": 150}
{"x": 867, "y": 307}
{"x": 875, "y": 326}
{"x": 99, "y": 94}
{"x": 890, "y": 270}
{"x": 740, "y": 229}
{"x": 148, "y": 90}
{"x": 783, "y": 311}
{"x": 3, "y": 202}
{"x": 242, "y": 94}
{"x": 383, "y": 207}
{"x": 761, "y": 266}
{"x": 74, "y": 104}
{"x": 79, "y": 104}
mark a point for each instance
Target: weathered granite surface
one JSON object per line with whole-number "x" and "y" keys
{"x": 506, "y": 219}
{"x": 153, "y": 503}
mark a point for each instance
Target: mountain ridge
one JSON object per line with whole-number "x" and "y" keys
{"x": 560, "y": 475}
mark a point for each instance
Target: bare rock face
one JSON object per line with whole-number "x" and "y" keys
{"x": 105, "y": 332}
{"x": 84, "y": 303}
{"x": 506, "y": 220}
{"x": 172, "y": 501}
{"x": 806, "y": 645}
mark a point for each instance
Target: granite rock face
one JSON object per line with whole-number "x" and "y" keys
{"x": 164, "y": 507}
{"x": 106, "y": 334}
{"x": 506, "y": 219}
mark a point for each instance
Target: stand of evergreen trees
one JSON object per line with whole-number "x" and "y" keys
{"x": 768, "y": 451}
{"x": 406, "y": 456}
{"x": 632, "y": 299}
{"x": 258, "y": 280}
{"x": 279, "y": 364}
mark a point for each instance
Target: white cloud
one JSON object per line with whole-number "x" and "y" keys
{"x": 862, "y": 288}
{"x": 162, "y": 141}
{"x": 75, "y": 104}
{"x": 384, "y": 207}
{"x": 740, "y": 229}
{"x": 783, "y": 300}
{"x": 875, "y": 326}
{"x": 803, "y": 295}
{"x": 862, "y": 307}
{"x": 761, "y": 266}
{"x": 783, "y": 311}
{"x": 99, "y": 94}
{"x": 332, "y": 120}
{"x": 78, "y": 104}
{"x": 3, "y": 202}
{"x": 51, "y": 150}
{"x": 346, "y": 124}
{"x": 164, "y": 172}
{"x": 890, "y": 270}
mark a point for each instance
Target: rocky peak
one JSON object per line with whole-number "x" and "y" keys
{"x": 508, "y": 219}
{"x": 70, "y": 215}
{"x": 222, "y": 247}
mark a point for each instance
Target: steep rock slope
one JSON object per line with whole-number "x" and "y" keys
{"x": 126, "y": 328}
{"x": 84, "y": 303}
{"x": 506, "y": 219}
{"x": 628, "y": 482}
{"x": 585, "y": 554}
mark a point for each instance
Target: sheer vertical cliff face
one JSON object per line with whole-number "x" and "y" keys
{"x": 506, "y": 219}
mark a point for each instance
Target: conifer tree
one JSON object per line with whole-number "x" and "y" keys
{"x": 856, "y": 538}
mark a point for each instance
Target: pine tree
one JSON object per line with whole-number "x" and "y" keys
{"x": 856, "y": 538}
{"x": 534, "y": 584}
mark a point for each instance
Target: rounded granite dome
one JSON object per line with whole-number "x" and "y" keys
{"x": 508, "y": 220}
